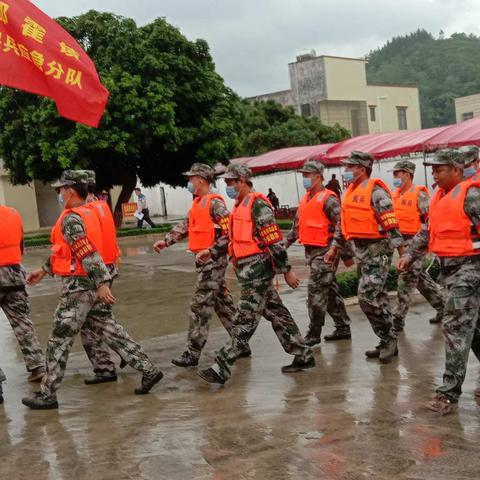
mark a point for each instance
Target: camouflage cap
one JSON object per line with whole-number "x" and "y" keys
{"x": 71, "y": 177}
{"x": 470, "y": 154}
{"x": 201, "y": 170}
{"x": 359, "y": 158}
{"x": 92, "y": 179}
{"x": 404, "y": 165}
{"x": 447, "y": 156}
{"x": 237, "y": 171}
{"x": 312, "y": 166}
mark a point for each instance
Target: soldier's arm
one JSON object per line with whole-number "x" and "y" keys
{"x": 423, "y": 204}
{"x": 292, "y": 235}
{"x": 472, "y": 206}
{"x": 267, "y": 232}
{"x": 220, "y": 215}
{"x": 178, "y": 233}
{"x": 419, "y": 243}
{"x": 383, "y": 208}
{"x": 333, "y": 211}
{"x": 74, "y": 232}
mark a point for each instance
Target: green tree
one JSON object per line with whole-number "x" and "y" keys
{"x": 167, "y": 108}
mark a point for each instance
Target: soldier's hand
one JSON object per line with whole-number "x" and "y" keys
{"x": 291, "y": 279}
{"x": 159, "y": 246}
{"x": 105, "y": 295}
{"x": 331, "y": 255}
{"x": 404, "y": 263}
{"x": 348, "y": 262}
{"x": 35, "y": 277}
{"x": 203, "y": 256}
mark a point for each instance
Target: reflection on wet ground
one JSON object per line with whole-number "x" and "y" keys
{"x": 347, "y": 419}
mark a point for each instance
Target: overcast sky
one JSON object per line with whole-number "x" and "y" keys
{"x": 252, "y": 41}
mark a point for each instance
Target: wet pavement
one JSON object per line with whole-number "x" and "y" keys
{"x": 347, "y": 419}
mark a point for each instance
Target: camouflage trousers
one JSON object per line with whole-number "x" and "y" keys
{"x": 2, "y": 379}
{"x": 16, "y": 307}
{"x": 374, "y": 260}
{"x": 416, "y": 277}
{"x": 211, "y": 294}
{"x": 461, "y": 323}
{"x": 324, "y": 296}
{"x": 73, "y": 311}
{"x": 258, "y": 297}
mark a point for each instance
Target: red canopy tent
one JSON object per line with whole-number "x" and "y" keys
{"x": 457, "y": 135}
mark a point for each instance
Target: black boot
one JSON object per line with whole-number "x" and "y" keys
{"x": 148, "y": 381}
{"x": 186, "y": 359}
{"x": 39, "y": 402}
{"x": 339, "y": 334}
{"x": 245, "y": 352}
{"x": 298, "y": 365}
{"x": 101, "y": 378}
{"x": 312, "y": 338}
{"x": 211, "y": 376}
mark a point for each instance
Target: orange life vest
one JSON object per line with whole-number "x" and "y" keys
{"x": 11, "y": 234}
{"x": 451, "y": 231}
{"x": 406, "y": 209}
{"x": 314, "y": 227}
{"x": 62, "y": 262}
{"x": 111, "y": 250}
{"x": 201, "y": 227}
{"x": 358, "y": 216}
{"x": 242, "y": 243}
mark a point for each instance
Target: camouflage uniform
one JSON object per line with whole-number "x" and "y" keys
{"x": 258, "y": 296}
{"x": 78, "y": 304}
{"x": 2, "y": 379}
{"x": 323, "y": 291}
{"x": 14, "y": 303}
{"x": 417, "y": 275}
{"x": 461, "y": 277}
{"x": 211, "y": 291}
{"x": 374, "y": 257}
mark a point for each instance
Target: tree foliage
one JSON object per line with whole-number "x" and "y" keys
{"x": 443, "y": 69}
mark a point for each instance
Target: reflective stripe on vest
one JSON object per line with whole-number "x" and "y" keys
{"x": 201, "y": 227}
{"x": 11, "y": 233}
{"x": 61, "y": 260}
{"x": 111, "y": 250}
{"x": 314, "y": 227}
{"x": 450, "y": 228}
{"x": 406, "y": 209}
{"x": 242, "y": 243}
{"x": 358, "y": 216}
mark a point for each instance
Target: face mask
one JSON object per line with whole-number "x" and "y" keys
{"x": 231, "y": 192}
{"x": 348, "y": 177}
{"x": 307, "y": 183}
{"x": 191, "y": 188}
{"x": 60, "y": 200}
{"x": 397, "y": 182}
{"x": 469, "y": 172}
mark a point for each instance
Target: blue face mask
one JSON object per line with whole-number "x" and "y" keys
{"x": 397, "y": 182}
{"x": 307, "y": 183}
{"x": 469, "y": 172}
{"x": 348, "y": 177}
{"x": 60, "y": 200}
{"x": 231, "y": 192}
{"x": 191, "y": 188}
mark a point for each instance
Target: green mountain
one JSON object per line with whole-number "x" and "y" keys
{"x": 442, "y": 68}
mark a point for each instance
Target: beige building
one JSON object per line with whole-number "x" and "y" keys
{"x": 335, "y": 89}
{"x": 467, "y": 107}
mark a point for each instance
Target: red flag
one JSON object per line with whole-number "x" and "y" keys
{"x": 39, "y": 56}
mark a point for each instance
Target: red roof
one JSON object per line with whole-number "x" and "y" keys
{"x": 457, "y": 135}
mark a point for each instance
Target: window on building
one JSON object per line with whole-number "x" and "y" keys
{"x": 305, "y": 110}
{"x": 467, "y": 116}
{"x": 373, "y": 113}
{"x": 402, "y": 118}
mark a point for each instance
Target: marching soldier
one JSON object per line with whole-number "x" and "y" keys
{"x": 411, "y": 208}
{"x": 207, "y": 230}
{"x": 369, "y": 221}
{"x": 13, "y": 296}
{"x": 314, "y": 226}
{"x": 472, "y": 162}
{"x": 86, "y": 297}
{"x": 257, "y": 252}
{"x": 453, "y": 235}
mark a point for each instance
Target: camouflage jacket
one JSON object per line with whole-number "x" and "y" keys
{"x": 220, "y": 215}
{"x": 381, "y": 203}
{"x": 419, "y": 245}
{"x": 332, "y": 210}
{"x": 12, "y": 276}
{"x": 73, "y": 229}
{"x": 276, "y": 258}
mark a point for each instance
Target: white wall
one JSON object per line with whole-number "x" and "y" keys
{"x": 287, "y": 185}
